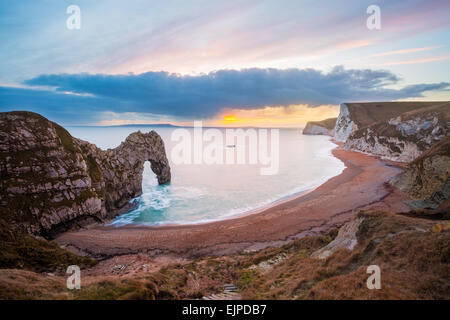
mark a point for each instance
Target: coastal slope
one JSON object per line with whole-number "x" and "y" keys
{"x": 413, "y": 254}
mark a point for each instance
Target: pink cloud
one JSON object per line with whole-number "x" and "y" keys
{"x": 414, "y": 61}
{"x": 404, "y": 51}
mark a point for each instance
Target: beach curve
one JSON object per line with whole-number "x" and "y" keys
{"x": 362, "y": 184}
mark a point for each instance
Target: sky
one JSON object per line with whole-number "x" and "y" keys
{"x": 228, "y": 63}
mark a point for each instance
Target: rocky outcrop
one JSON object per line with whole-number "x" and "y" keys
{"x": 52, "y": 181}
{"x": 121, "y": 168}
{"x": 395, "y": 131}
{"x": 345, "y": 239}
{"x": 427, "y": 178}
{"x": 324, "y": 127}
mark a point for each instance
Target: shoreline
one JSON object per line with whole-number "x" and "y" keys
{"x": 361, "y": 184}
{"x": 228, "y": 216}
{"x": 250, "y": 212}
{"x": 257, "y": 210}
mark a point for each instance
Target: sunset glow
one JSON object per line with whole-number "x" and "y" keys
{"x": 228, "y": 119}
{"x": 294, "y": 116}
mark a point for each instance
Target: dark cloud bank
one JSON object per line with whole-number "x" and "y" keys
{"x": 201, "y": 96}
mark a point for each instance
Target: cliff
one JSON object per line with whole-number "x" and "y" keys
{"x": 398, "y": 131}
{"x": 52, "y": 181}
{"x": 427, "y": 178}
{"x": 324, "y": 127}
{"x": 355, "y": 116}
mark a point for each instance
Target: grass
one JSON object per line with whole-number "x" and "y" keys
{"x": 247, "y": 278}
{"x": 327, "y": 123}
{"x": 22, "y": 251}
{"x": 365, "y": 114}
{"x": 413, "y": 255}
{"x": 127, "y": 289}
{"x": 94, "y": 170}
{"x": 66, "y": 139}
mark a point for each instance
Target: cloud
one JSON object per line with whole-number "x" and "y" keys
{"x": 404, "y": 51}
{"x": 415, "y": 61}
{"x": 203, "y": 96}
{"x": 60, "y": 107}
{"x": 202, "y": 35}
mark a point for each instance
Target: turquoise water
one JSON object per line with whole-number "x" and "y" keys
{"x": 201, "y": 193}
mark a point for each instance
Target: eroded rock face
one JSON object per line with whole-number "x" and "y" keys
{"x": 51, "y": 181}
{"x": 368, "y": 129}
{"x": 402, "y": 138}
{"x": 427, "y": 179}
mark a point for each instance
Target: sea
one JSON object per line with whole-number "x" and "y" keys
{"x": 204, "y": 192}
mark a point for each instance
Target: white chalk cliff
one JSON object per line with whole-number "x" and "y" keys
{"x": 412, "y": 129}
{"x": 344, "y": 124}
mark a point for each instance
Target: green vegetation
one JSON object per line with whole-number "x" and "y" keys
{"x": 66, "y": 139}
{"x": 247, "y": 278}
{"x": 94, "y": 170}
{"x": 19, "y": 250}
{"x": 161, "y": 285}
{"x": 127, "y": 289}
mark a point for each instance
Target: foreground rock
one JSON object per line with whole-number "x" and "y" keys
{"x": 52, "y": 181}
{"x": 324, "y": 127}
{"x": 345, "y": 239}
{"x": 398, "y": 131}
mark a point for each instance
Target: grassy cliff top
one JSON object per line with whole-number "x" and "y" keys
{"x": 365, "y": 114}
{"x": 327, "y": 123}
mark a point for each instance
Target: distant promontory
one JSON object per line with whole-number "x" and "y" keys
{"x": 324, "y": 127}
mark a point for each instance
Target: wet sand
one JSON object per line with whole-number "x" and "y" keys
{"x": 361, "y": 186}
